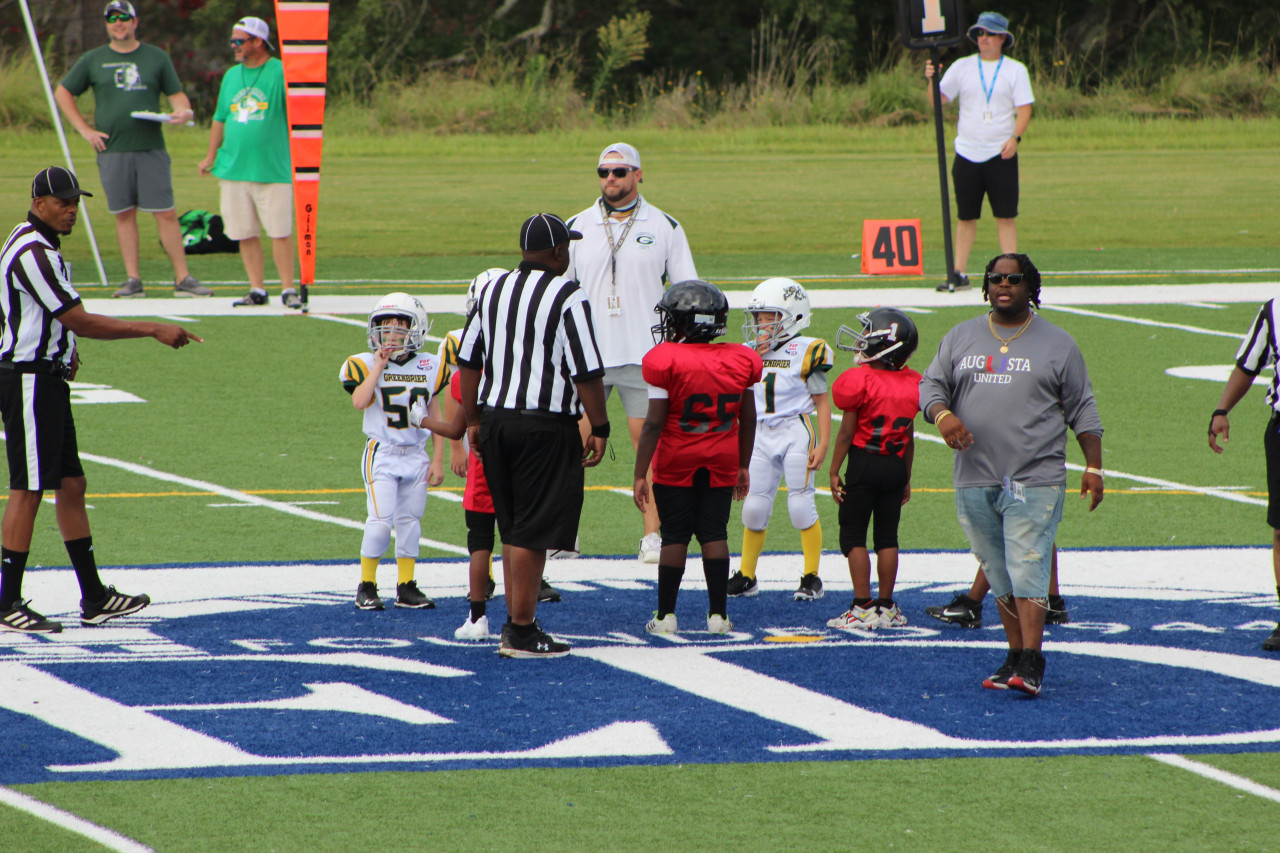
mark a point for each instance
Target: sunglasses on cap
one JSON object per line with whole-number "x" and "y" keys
{"x": 997, "y": 277}
{"x": 620, "y": 172}
{"x": 117, "y": 17}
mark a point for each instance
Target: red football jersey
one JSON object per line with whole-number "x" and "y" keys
{"x": 704, "y": 384}
{"x": 886, "y": 402}
{"x": 475, "y": 495}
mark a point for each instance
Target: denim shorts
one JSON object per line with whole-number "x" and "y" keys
{"x": 1012, "y": 539}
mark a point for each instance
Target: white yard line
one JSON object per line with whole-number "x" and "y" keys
{"x": 246, "y": 498}
{"x": 106, "y": 837}
{"x": 1084, "y": 312}
{"x": 1240, "y": 783}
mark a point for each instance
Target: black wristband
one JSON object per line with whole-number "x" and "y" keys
{"x": 600, "y": 430}
{"x": 1216, "y": 412}
{"x": 1019, "y": 138}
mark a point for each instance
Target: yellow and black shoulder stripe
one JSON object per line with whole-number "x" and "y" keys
{"x": 353, "y": 373}
{"x": 816, "y": 357}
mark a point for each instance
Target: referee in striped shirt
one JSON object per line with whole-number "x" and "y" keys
{"x": 40, "y": 317}
{"x": 530, "y": 365}
{"x": 1260, "y": 349}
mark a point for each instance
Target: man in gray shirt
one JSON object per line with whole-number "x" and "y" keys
{"x": 1002, "y": 391}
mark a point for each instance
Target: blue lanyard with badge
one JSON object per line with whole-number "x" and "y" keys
{"x": 987, "y": 116}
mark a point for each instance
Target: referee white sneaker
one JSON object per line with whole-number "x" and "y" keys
{"x": 651, "y": 548}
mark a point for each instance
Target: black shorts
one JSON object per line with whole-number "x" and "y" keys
{"x": 996, "y": 178}
{"x": 533, "y": 464}
{"x": 696, "y": 510}
{"x": 873, "y": 486}
{"x": 479, "y": 530}
{"x": 1271, "y": 446}
{"x": 40, "y": 434}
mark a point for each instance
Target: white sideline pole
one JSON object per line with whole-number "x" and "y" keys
{"x": 62, "y": 137}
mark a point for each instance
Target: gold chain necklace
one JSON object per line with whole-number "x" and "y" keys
{"x": 1004, "y": 342}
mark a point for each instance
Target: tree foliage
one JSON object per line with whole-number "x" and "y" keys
{"x": 1086, "y": 42}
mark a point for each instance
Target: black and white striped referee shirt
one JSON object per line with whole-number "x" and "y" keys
{"x": 35, "y": 292}
{"x": 531, "y": 337}
{"x": 1260, "y": 350}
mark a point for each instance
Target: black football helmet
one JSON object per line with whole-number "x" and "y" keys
{"x": 888, "y": 336}
{"x": 692, "y": 311}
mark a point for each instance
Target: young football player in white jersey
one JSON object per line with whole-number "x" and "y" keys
{"x": 384, "y": 383}
{"x": 793, "y": 428}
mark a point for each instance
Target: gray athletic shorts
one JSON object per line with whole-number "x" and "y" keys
{"x": 631, "y": 386}
{"x": 138, "y": 179}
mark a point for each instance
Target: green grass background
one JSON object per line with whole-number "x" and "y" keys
{"x": 1097, "y": 194}
{"x": 259, "y": 408}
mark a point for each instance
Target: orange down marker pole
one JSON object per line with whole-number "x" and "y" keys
{"x": 303, "y": 31}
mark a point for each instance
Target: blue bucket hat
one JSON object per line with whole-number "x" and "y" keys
{"x": 992, "y": 22}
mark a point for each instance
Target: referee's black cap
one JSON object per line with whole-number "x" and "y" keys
{"x": 58, "y": 182}
{"x": 545, "y": 231}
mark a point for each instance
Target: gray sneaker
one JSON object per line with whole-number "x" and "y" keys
{"x": 131, "y": 289}
{"x": 291, "y": 299}
{"x": 191, "y": 286}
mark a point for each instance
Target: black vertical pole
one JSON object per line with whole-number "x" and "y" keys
{"x": 942, "y": 166}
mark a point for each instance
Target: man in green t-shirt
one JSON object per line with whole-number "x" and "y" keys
{"x": 249, "y": 153}
{"x": 127, "y": 78}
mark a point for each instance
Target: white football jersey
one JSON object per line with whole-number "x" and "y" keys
{"x": 399, "y": 387}
{"x": 793, "y": 373}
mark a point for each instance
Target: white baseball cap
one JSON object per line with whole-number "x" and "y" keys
{"x": 257, "y": 28}
{"x": 630, "y": 156}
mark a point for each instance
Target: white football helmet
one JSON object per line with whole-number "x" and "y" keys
{"x": 784, "y": 297}
{"x": 478, "y": 285}
{"x": 403, "y": 341}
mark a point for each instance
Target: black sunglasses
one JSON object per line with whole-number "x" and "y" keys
{"x": 980, "y": 33}
{"x": 237, "y": 42}
{"x": 620, "y": 172}
{"x": 997, "y": 277}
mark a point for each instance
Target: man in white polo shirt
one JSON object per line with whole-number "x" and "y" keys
{"x": 629, "y": 252}
{"x": 995, "y": 108}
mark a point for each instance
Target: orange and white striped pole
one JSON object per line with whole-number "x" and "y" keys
{"x": 302, "y": 27}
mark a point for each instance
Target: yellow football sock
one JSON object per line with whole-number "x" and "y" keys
{"x": 490, "y": 565}
{"x": 752, "y": 545}
{"x": 406, "y": 565}
{"x": 811, "y": 545}
{"x": 369, "y": 570}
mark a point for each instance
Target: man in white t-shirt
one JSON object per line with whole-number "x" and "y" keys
{"x": 629, "y": 252}
{"x": 995, "y": 107}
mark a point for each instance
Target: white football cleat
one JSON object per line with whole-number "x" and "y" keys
{"x": 717, "y": 624}
{"x": 477, "y": 630}
{"x": 651, "y": 548}
{"x": 665, "y": 625}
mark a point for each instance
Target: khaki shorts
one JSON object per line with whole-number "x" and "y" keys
{"x": 248, "y": 208}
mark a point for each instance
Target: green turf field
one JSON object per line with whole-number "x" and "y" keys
{"x": 258, "y": 410}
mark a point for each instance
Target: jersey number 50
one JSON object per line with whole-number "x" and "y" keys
{"x": 397, "y": 415}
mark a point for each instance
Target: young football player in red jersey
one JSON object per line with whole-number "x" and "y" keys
{"x": 478, "y": 508}
{"x": 880, "y": 397}
{"x": 698, "y": 434}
